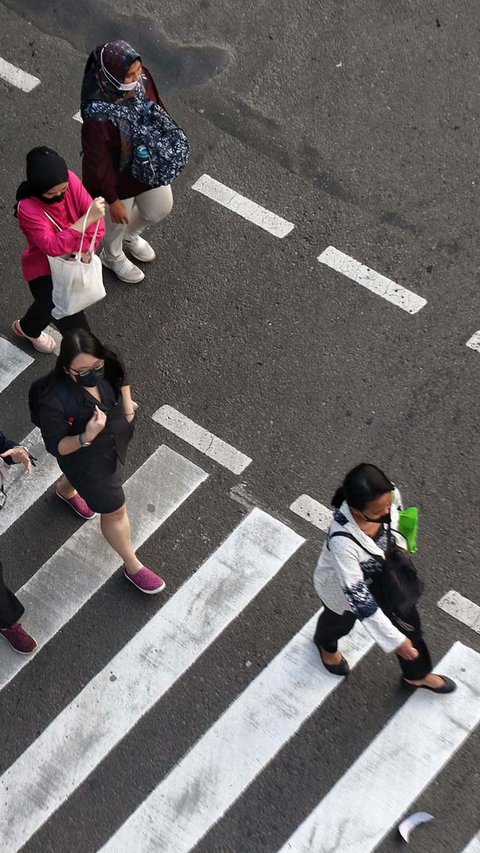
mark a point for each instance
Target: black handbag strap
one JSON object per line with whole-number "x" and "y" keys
{"x": 349, "y": 536}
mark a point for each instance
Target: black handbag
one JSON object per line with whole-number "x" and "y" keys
{"x": 397, "y": 588}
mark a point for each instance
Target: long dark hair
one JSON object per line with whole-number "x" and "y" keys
{"x": 77, "y": 341}
{"x": 363, "y": 484}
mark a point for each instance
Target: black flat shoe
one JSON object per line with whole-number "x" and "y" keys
{"x": 448, "y": 685}
{"x": 341, "y": 668}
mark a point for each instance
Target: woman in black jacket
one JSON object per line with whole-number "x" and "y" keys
{"x": 10, "y": 607}
{"x": 85, "y": 413}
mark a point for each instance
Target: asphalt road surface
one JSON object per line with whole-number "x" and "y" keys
{"x": 357, "y": 123}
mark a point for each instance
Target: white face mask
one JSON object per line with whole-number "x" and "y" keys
{"x": 122, "y": 87}
{"x": 127, "y": 87}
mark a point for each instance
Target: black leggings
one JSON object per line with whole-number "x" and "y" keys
{"x": 39, "y": 314}
{"x": 10, "y": 607}
{"x": 331, "y": 626}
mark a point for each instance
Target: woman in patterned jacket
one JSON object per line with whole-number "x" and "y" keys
{"x": 114, "y": 79}
{"x": 366, "y": 505}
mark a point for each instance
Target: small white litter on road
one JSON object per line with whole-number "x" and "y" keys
{"x": 408, "y": 825}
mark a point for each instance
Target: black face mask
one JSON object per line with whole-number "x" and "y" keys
{"x": 54, "y": 199}
{"x": 90, "y": 379}
{"x": 384, "y": 519}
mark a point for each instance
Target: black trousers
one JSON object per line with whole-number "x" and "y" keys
{"x": 39, "y": 314}
{"x": 10, "y": 607}
{"x": 331, "y": 626}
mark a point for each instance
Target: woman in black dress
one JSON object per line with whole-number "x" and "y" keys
{"x": 85, "y": 413}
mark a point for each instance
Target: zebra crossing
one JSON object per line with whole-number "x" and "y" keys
{"x": 404, "y": 758}
{"x": 58, "y": 594}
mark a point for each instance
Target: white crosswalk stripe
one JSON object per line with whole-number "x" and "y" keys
{"x": 24, "y": 489}
{"x": 54, "y": 595}
{"x": 403, "y": 759}
{"x": 236, "y": 749}
{"x": 45, "y": 775}
{"x": 12, "y": 362}
{"x": 474, "y": 845}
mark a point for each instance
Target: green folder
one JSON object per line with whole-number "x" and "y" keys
{"x": 408, "y": 526}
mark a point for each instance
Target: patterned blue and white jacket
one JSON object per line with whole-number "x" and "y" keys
{"x": 344, "y": 569}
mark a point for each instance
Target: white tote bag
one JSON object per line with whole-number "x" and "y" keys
{"x": 76, "y": 283}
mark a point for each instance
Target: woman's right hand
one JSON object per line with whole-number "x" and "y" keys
{"x": 118, "y": 214}
{"x": 97, "y": 210}
{"x": 407, "y": 650}
{"x": 95, "y": 424}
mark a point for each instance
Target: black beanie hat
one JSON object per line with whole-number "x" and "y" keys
{"x": 45, "y": 169}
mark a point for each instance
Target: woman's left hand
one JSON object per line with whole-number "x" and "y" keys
{"x": 129, "y": 406}
{"x": 19, "y": 454}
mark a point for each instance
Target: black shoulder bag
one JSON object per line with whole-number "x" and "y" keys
{"x": 397, "y": 588}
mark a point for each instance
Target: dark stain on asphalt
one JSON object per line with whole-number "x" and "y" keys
{"x": 391, "y": 217}
{"x": 174, "y": 66}
{"x": 332, "y": 186}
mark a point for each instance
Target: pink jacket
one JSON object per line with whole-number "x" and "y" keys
{"x": 44, "y": 238}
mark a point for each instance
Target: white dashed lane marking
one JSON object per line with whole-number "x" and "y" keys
{"x": 461, "y": 608}
{"x": 203, "y": 440}
{"x": 313, "y": 511}
{"x": 16, "y": 77}
{"x": 474, "y": 342}
{"x": 243, "y": 206}
{"x": 371, "y": 280}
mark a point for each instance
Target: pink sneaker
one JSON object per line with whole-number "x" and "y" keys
{"x": 44, "y": 342}
{"x": 18, "y": 639}
{"x": 78, "y": 505}
{"x": 146, "y": 581}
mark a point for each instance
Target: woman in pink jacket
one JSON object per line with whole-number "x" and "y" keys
{"x": 51, "y": 208}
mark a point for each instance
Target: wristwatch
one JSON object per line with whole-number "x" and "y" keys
{"x": 82, "y": 441}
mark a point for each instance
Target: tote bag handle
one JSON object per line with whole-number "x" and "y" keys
{"x": 94, "y": 238}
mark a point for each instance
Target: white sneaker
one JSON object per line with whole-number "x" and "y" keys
{"x": 123, "y": 269}
{"x": 140, "y": 249}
